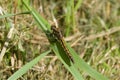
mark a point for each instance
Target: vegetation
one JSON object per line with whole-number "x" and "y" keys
{"x": 90, "y": 28}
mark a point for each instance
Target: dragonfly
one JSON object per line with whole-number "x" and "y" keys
{"x": 57, "y": 33}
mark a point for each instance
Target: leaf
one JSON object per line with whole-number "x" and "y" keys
{"x": 26, "y": 67}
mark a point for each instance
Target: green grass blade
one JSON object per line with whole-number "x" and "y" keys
{"x": 65, "y": 60}
{"x": 43, "y": 24}
{"x": 10, "y": 15}
{"x": 26, "y": 67}
{"x": 77, "y": 6}
{"x": 82, "y": 65}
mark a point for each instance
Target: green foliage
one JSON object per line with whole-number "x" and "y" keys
{"x": 92, "y": 29}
